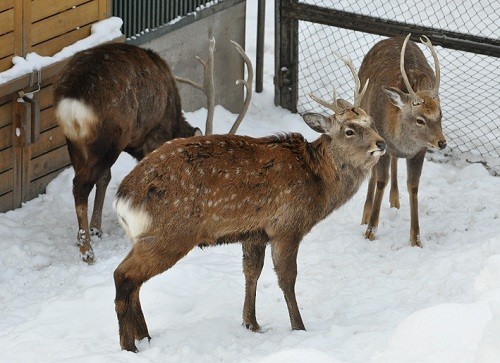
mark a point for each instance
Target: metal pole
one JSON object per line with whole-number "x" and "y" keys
{"x": 259, "y": 70}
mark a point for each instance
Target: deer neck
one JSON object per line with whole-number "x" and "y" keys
{"x": 342, "y": 178}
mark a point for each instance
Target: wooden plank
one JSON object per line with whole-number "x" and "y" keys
{"x": 5, "y": 114}
{"x": 6, "y": 4}
{"x": 5, "y": 63}
{"x": 5, "y": 137}
{"x": 6, "y": 181}
{"x": 6, "y": 202}
{"x": 49, "y": 162}
{"x": 41, "y": 9}
{"x": 6, "y": 45}
{"x": 19, "y": 31}
{"x": 39, "y": 185}
{"x": 64, "y": 22}
{"x": 49, "y": 140}
{"x": 104, "y": 9}
{"x": 45, "y": 97}
{"x": 7, "y": 21}
{"x": 47, "y": 119}
{"x": 54, "y": 45}
{"x": 6, "y": 159}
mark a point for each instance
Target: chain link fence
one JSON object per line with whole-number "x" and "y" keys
{"x": 470, "y": 82}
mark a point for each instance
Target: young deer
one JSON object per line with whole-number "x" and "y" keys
{"x": 216, "y": 189}
{"x": 108, "y": 99}
{"x": 403, "y": 99}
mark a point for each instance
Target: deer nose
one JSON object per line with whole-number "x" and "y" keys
{"x": 442, "y": 144}
{"x": 381, "y": 145}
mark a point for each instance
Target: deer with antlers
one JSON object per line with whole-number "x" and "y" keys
{"x": 218, "y": 189}
{"x": 403, "y": 99}
{"x": 112, "y": 98}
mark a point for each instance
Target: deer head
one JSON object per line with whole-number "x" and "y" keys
{"x": 420, "y": 110}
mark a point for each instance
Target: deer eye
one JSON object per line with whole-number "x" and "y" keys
{"x": 420, "y": 121}
{"x": 349, "y": 132}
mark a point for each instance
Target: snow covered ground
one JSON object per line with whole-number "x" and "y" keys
{"x": 361, "y": 301}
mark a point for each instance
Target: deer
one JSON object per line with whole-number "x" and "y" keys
{"x": 403, "y": 100}
{"x": 112, "y": 98}
{"x": 218, "y": 189}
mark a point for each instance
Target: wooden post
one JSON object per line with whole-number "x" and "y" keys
{"x": 286, "y": 57}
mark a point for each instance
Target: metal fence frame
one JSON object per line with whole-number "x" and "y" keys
{"x": 144, "y": 20}
{"x": 288, "y": 13}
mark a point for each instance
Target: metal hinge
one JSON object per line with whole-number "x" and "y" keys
{"x": 283, "y": 78}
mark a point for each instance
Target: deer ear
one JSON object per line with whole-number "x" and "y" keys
{"x": 343, "y": 103}
{"x": 397, "y": 97}
{"x": 197, "y": 132}
{"x": 317, "y": 122}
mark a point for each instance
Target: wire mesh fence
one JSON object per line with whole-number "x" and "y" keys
{"x": 470, "y": 86}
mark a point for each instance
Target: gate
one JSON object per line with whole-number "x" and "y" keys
{"x": 466, "y": 35}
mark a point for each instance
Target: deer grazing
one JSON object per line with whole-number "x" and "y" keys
{"x": 217, "y": 189}
{"x": 112, "y": 98}
{"x": 403, "y": 99}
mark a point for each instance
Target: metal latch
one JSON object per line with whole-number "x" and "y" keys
{"x": 283, "y": 78}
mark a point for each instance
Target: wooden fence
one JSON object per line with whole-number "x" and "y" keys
{"x": 32, "y": 148}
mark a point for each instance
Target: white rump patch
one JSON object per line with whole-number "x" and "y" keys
{"x": 134, "y": 220}
{"x": 76, "y": 118}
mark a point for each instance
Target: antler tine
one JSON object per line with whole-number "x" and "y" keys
{"x": 358, "y": 93}
{"x": 403, "y": 72}
{"x": 248, "y": 85}
{"x": 208, "y": 85}
{"x": 348, "y": 62}
{"x": 332, "y": 106}
{"x": 437, "y": 67}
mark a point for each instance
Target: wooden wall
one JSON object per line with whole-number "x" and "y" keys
{"x": 32, "y": 148}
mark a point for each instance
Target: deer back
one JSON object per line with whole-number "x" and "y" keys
{"x": 408, "y": 119}
{"x": 126, "y": 91}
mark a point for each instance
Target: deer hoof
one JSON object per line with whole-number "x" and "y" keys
{"x": 415, "y": 242}
{"x": 94, "y": 231}
{"x": 370, "y": 233}
{"x": 253, "y": 327}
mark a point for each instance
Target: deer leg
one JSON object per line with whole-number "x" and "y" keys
{"x": 414, "y": 166}
{"x": 284, "y": 255}
{"x": 394, "y": 193}
{"x": 81, "y": 191}
{"x": 253, "y": 261}
{"x": 367, "y": 210}
{"x": 382, "y": 178}
{"x": 101, "y": 185}
{"x": 144, "y": 261}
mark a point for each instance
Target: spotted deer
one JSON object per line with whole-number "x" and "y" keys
{"x": 112, "y": 98}
{"x": 217, "y": 189}
{"x": 403, "y": 99}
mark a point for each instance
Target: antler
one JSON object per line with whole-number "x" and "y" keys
{"x": 358, "y": 96}
{"x": 437, "y": 67}
{"x": 248, "y": 85}
{"x": 413, "y": 95}
{"x": 208, "y": 85}
{"x": 332, "y": 106}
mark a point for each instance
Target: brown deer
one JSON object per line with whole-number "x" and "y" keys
{"x": 210, "y": 190}
{"x": 403, "y": 99}
{"x": 119, "y": 97}
{"x": 112, "y": 98}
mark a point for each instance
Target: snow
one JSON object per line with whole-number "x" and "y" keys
{"x": 361, "y": 301}
{"x": 100, "y": 32}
